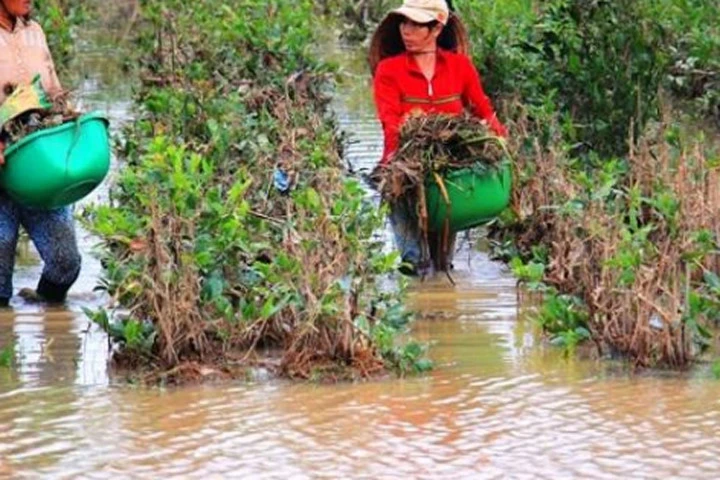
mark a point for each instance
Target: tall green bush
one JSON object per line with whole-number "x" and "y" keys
{"x": 598, "y": 62}
{"x": 694, "y": 49}
{"x": 232, "y": 226}
{"x": 60, "y": 19}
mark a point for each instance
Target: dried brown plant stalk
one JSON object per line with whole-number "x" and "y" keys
{"x": 643, "y": 320}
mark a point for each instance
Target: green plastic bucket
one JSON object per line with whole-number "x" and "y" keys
{"x": 58, "y": 166}
{"x": 476, "y": 197}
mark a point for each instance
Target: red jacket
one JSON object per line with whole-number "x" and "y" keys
{"x": 400, "y": 88}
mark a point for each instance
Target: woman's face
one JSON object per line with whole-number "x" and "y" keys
{"x": 17, "y": 8}
{"x": 419, "y": 37}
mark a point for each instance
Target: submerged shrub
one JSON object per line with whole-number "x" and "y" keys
{"x": 7, "y": 356}
{"x": 607, "y": 214}
{"x": 232, "y": 228}
{"x": 626, "y": 251}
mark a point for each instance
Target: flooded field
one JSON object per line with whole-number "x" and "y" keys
{"x": 498, "y": 404}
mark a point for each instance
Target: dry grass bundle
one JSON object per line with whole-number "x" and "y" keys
{"x": 435, "y": 144}
{"x": 60, "y": 112}
{"x": 431, "y": 145}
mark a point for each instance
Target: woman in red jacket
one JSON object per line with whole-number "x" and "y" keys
{"x": 419, "y": 64}
{"x": 423, "y": 67}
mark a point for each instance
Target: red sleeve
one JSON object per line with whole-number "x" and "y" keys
{"x": 387, "y": 102}
{"x": 474, "y": 95}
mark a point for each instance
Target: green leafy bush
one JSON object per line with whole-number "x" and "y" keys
{"x": 202, "y": 243}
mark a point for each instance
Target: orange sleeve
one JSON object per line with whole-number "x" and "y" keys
{"x": 474, "y": 96}
{"x": 387, "y": 96}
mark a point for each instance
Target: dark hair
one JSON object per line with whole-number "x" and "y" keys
{"x": 387, "y": 42}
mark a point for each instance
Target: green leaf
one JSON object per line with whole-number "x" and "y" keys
{"x": 424, "y": 365}
{"x": 712, "y": 280}
{"x": 271, "y": 308}
{"x": 7, "y": 356}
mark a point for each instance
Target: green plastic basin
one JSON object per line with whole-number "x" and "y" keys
{"x": 476, "y": 197}
{"x": 58, "y": 166}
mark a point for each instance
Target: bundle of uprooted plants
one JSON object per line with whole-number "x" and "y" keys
{"x": 430, "y": 146}
{"x": 23, "y": 125}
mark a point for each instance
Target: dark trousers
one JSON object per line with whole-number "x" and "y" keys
{"x": 409, "y": 239}
{"x": 53, "y": 233}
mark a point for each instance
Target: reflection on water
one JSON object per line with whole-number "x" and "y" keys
{"x": 497, "y": 406}
{"x": 491, "y": 409}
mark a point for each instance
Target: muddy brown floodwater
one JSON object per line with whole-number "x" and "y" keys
{"x": 498, "y": 404}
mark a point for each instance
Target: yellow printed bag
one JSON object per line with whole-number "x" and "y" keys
{"x": 24, "y": 98}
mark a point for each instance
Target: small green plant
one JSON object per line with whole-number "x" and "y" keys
{"x": 134, "y": 336}
{"x": 565, "y": 319}
{"x": 412, "y": 358}
{"x": 532, "y": 273}
{"x": 715, "y": 368}
{"x": 395, "y": 319}
{"x": 7, "y": 356}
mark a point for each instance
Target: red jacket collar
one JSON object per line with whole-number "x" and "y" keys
{"x": 413, "y": 66}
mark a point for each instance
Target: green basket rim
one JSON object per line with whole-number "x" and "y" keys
{"x": 96, "y": 115}
{"x": 502, "y": 167}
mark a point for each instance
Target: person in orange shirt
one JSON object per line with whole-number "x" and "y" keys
{"x": 23, "y": 54}
{"x": 419, "y": 61}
